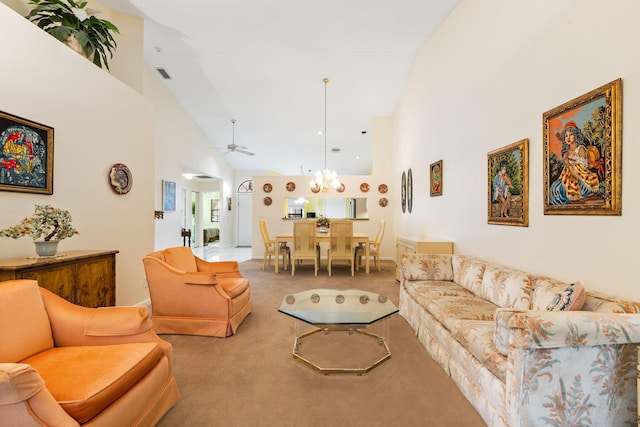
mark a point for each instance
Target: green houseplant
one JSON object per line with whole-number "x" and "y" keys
{"x": 48, "y": 224}
{"x": 72, "y": 22}
{"x": 323, "y": 223}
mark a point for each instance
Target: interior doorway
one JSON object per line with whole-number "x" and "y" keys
{"x": 245, "y": 196}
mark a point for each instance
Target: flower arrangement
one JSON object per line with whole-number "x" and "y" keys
{"x": 323, "y": 222}
{"x": 47, "y": 221}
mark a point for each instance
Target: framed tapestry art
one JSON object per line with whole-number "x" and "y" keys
{"x": 583, "y": 154}
{"x": 26, "y": 155}
{"x": 508, "y": 185}
{"x": 435, "y": 179}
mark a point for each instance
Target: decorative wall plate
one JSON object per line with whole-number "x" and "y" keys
{"x": 409, "y": 191}
{"x": 267, "y": 188}
{"x": 341, "y": 188}
{"x": 364, "y": 187}
{"x": 382, "y": 188}
{"x": 403, "y": 191}
{"x": 315, "y": 189}
{"x": 383, "y": 202}
{"x": 120, "y": 178}
{"x": 291, "y": 186}
{"x": 268, "y": 201}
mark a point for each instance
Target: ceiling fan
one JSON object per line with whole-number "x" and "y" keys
{"x": 235, "y": 148}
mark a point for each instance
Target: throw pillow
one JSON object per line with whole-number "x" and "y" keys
{"x": 570, "y": 299}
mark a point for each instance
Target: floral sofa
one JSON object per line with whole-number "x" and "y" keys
{"x": 518, "y": 363}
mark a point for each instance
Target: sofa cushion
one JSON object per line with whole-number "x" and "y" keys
{"x": 570, "y": 298}
{"x": 477, "y": 337}
{"x": 507, "y": 288}
{"x": 22, "y": 314}
{"x": 181, "y": 258}
{"x": 448, "y": 309}
{"x": 428, "y": 289}
{"x": 544, "y": 291}
{"x": 427, "y": 267}
{"x": 85, "y": 380}
{"x": 468, "y": 272}
{"x": 601, "y": 303}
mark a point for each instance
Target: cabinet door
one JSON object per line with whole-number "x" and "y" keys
{"x": 94, "y": 283}
{"x": 58, "y": 280}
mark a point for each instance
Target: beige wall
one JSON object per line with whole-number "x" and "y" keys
{"x": 483, "y": 82}
{"x": 98, "y": 121}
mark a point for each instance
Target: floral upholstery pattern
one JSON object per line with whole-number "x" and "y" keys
{"x": 428, "y": 267}
{"x": 518, "y": 364}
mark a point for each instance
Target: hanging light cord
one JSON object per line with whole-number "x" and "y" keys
{"x": 325, "y": 80}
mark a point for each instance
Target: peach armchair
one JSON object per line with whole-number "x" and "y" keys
{"x": 66, "y": 365}
{"x": 192, "y": 296}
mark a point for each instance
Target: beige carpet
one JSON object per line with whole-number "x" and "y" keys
{"x": 251, "y": 379}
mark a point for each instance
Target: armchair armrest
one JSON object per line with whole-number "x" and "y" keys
{"x": 25, "y": 401}
{"x": 75, "y": 325}
{"x": 200, "y": 278}
{"x": 221, "y": 268}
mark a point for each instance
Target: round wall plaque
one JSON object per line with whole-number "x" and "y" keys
{"x": 120, "y": 178}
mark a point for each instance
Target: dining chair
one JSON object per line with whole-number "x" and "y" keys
{"x": 305, "y": 244}
{"x": 340, "y": 243}
{"x": 270, "y": 248}
{"x": 374, "y": 248}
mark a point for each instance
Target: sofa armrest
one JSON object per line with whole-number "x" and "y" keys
{"x": 502, "y": 330}
{"x": 550, "y": 329}
{"x": 25, "y": 401}
{"x": 572, "y": 366}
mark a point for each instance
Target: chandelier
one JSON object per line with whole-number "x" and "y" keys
{"x": 324, "y": 180}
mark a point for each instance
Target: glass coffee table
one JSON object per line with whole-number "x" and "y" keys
{"x": 340, "y": 331}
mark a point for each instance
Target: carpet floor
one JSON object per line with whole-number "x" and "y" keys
{"x": 251, "y": 379}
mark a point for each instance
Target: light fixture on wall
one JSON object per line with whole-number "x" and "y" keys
{"x": 325, "y": 179}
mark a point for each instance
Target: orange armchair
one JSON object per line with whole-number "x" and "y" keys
{"x": 66, "y": 365}
{"x": 191, "y": 296}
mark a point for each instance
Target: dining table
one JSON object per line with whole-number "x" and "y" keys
{"x": 357, "y": 238}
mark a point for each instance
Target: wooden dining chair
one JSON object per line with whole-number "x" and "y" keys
{"x": 271, "y": 249}
{"x": 374, "y": 248}
{"x": 340, "y": 243}
{"x": 305, "y": 245}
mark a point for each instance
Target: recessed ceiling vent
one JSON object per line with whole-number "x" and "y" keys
{"x": 335, "y": 150}
{"x": 163, "y": 73}
{"x": 203, "y": 177}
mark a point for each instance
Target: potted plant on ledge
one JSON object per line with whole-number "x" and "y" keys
{"x": 47, "y": 226}
{"x": 77, "y": 27}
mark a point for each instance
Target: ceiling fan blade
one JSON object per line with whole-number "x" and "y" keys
{"x": 246, "y": 152}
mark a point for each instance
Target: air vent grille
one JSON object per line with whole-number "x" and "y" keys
{"x": 335, "y": 150}
{"x": 163, "y": 73}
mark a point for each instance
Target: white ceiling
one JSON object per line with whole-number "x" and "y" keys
{"x": 262, "y": 63}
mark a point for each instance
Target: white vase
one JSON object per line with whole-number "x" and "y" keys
{"x": 44, "y": 248}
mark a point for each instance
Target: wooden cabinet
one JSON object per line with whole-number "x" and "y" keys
{"x": 419, "y": 245}
{"x": 86, "y": 278}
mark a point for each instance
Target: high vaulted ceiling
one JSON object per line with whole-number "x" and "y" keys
{"x": 262, "y": 63}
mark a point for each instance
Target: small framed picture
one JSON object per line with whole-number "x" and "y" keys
{"x": 168, "y": 196}
{"x": 26, "y": 155}
{"x": 435, "y": 179}
{"x": 508, "y": 189}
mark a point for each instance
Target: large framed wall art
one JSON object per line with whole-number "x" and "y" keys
{"x": 583, "y": 154}
{"x": 26, "y": 155}
{"x": 508, "y": 185}
{"x": 435, "y": 179}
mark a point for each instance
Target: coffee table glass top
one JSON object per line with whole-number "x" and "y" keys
{"x": 337, "y": 307}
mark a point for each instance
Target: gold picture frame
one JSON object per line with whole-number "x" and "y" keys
{"x": 583, "y": 154}
{"x": 435, "y": 179}
{"x": 26, "y": 155}
{"x": 508, "y": 185}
